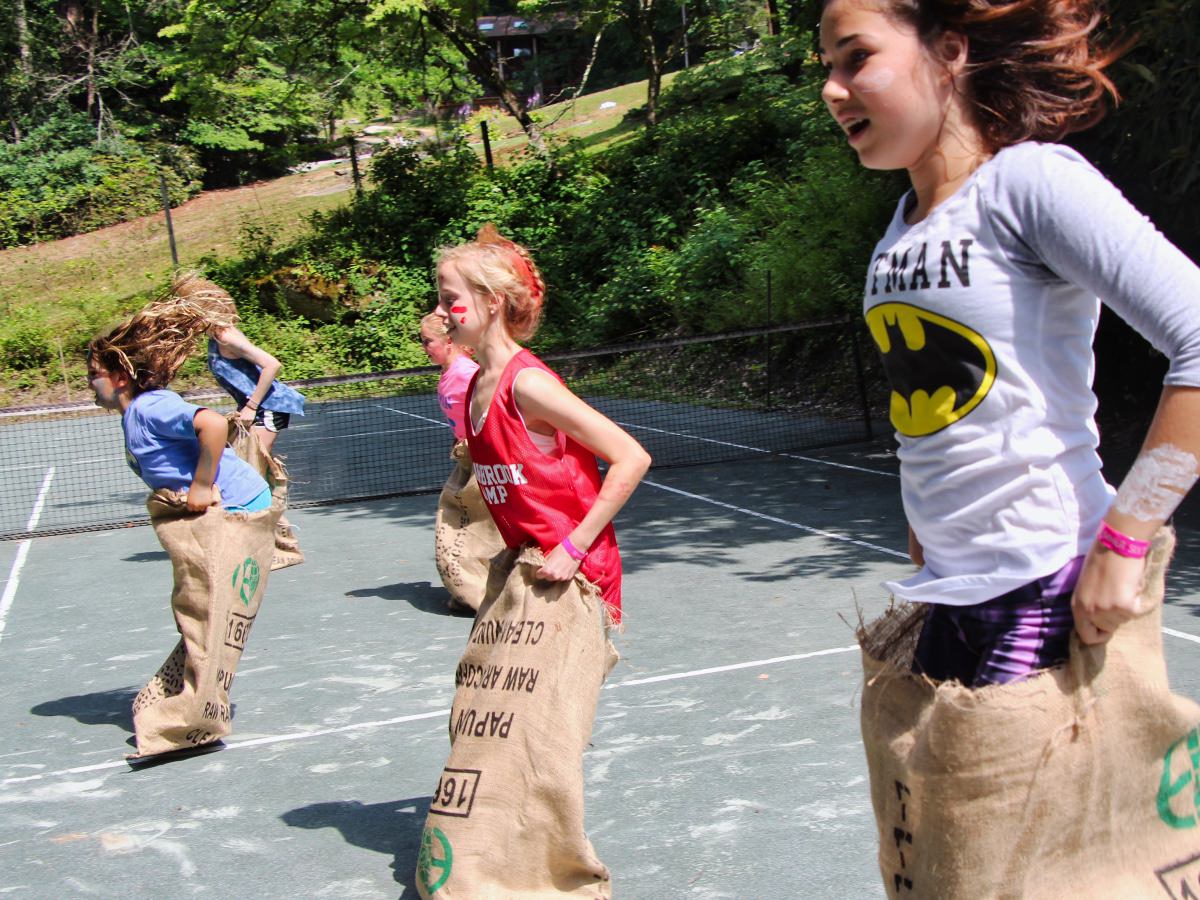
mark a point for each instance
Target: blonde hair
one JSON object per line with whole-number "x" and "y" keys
{"x": 152, "y": 344}
{"x": 494, "y": 266}
{"x": 432, "y": 324}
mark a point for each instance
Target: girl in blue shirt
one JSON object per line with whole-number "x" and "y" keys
{"x": 169, "y": 443}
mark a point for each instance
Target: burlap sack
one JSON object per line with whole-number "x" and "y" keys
{"x": 246, "y": 445}
{"x": 506, "y": 819}
{"x": 465, "y": 537}
{"x": 221, "y": 561}
{"x": 1082, "y": 781}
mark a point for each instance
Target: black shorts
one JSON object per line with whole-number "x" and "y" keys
{"x": 269, "y": 419}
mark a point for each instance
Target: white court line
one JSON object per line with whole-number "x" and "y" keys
{"x": 1182, "y": 634}
{"x": 811, "y": 459}
{"x": 401, "y": 412}
{"x": 837, "y": 537}
{"x": 67, "y": 462}
{"x": 14, "y": 575}
{"x": 715, "y": 669}
{"x": 302, "y": 735}
{"x": 307, "y": 441}
{"x": 808, "y": 528}
{"x": 694, "y": 437}
{"x": 826, "y": 462}
{"x": 237, "y": 745}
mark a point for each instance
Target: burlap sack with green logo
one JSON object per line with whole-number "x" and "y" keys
{"x": 246, "y": 445}
{"x": 506, "y": 819}
{"x": 465, "y": 537}
{"x": 1082, "y": 781}
{"x": 221, "y": 561}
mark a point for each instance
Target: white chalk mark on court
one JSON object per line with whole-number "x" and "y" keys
{"x": 14, "y": 575}
{"x": 303, "y": 735}
{"x": 775, "y": 660}
{"x": 414, "y": 415}
{"x": 243, "y": 673}
{"x": 833, "y": 536}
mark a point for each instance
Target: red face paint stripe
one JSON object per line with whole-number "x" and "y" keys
{"x": 458, "y": 309}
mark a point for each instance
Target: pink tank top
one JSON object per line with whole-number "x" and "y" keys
{"x": 452, "y": 393}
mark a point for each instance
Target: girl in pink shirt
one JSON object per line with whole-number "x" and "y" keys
{"x": 465, "y": 537}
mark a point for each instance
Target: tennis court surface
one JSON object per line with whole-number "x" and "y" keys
{"x": 725, "y": 761}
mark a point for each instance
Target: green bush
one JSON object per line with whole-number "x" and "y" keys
{"x": 26, "y": 341}
{"x": 672, "y": 232}
{"x": 59, "y": 181}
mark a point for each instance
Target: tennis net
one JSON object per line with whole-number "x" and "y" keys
{"x": 688, "y": 401}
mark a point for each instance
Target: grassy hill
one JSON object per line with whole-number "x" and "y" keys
{"x": 80, "y": 284}
{"x": 115, "y": 263}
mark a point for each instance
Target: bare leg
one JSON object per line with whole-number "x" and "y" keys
{"x": 265, "y": 437}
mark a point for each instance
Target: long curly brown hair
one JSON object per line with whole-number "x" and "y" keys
{"x": 153, "y": 343}
{"x": 1034, "y": 68}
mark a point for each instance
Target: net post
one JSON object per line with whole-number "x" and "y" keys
{"x": 767, "y": 339}
{"x": 860, "y": 376}
{"x": 166, "y": 201}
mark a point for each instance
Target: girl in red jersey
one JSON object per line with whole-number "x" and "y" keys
{"x": 507, "y": 817}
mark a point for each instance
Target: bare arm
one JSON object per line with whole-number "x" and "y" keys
{"x": 547, "y": 406}
{"x": 234, "y": 343}
{"x": 915, "y": 551}
{"x": 1107, "y": 593}
{"x": 212, "y": 432}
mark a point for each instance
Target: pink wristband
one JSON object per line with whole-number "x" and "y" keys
{"x": 572, "y": 551}
{"x": 1121, "y": 544}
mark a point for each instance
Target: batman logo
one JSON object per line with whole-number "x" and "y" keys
{"x": 939, "y": 369}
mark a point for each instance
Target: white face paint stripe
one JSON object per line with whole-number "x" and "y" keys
{"x": 1157, "y": 482}
{"x": 875, "y": 81}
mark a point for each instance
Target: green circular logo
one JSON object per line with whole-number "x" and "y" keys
{"x": 434, "y": 869}
{"x": 249, "y": 575}
{"x": 1181, "y": 775}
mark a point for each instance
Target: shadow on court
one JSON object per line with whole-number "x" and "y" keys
{"x": 726, "y": 759}
{"x": 735, "y": 514}
{"x": 113, "y": 707}
{"x": 149, "y": 556}
{"x": 392, "y": 828}
{"x": 420, "y": 595}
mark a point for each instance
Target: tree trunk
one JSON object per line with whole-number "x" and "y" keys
{"x": 644, "y": 27}
{"x": 772, "y": 17}
{"x": 92, "y": 43}
{"x": 24, "y": 49}
{"x": 479, "y": 63}
{"x": 587, "y": 72}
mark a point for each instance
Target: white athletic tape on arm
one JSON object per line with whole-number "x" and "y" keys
{"x": 1158, "y": 481}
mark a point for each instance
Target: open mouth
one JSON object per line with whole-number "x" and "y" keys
{"x": 857, "y": 128}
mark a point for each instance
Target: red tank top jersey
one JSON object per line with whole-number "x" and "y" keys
{"x": 536, "y": 496}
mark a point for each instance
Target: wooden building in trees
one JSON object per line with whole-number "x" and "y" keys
{"x": 539, "y": 58}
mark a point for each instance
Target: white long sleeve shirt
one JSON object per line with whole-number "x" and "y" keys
{"x": 984, "y": 314}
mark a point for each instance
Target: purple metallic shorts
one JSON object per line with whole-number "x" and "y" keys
{"x": 1004, "y": 639}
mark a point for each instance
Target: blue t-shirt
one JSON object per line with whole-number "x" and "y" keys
{"x": 162, "y": 448}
